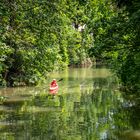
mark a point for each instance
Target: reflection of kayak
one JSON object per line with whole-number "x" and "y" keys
{"x": 53, "y": 89}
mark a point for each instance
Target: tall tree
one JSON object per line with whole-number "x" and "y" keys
{"x": 38, "y": 37}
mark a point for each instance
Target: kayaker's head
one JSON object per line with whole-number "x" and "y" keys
{"x": 54, "y": 80}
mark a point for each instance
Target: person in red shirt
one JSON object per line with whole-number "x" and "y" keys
{"x": 54, "y": 83}
{"x": 53, "y": 87}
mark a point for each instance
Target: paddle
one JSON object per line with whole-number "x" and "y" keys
{"x": 60, "y": 80}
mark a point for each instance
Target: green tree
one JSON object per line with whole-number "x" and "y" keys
{"x": 40, "y": 38}
{"x": 116, "y": 38}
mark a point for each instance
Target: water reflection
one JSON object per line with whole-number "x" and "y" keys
{"x": 89, "y": 106}
{"x": 129, "y": 116}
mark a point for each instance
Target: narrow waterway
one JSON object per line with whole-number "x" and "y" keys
{"x": 88, "y": 106}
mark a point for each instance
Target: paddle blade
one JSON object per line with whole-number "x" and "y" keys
{"x": 60, "y": 80}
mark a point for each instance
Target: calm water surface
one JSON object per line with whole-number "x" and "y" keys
{"x": 88, "y": 106}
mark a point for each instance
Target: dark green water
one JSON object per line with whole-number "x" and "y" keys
{"x": 88, "y": 106}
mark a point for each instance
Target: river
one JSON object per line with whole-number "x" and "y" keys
{"x": 88, "y": 106}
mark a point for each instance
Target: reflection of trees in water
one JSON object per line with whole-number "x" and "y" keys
{"x": 57, "y": 117}
{"x": 37, "y": 119}
{"x": 85, "y": 114}
{"x": 95, "y": 110}
{"x": 110, "y": 82}
{"x": 128, "y": 116}
{"x": 97, "y": 114}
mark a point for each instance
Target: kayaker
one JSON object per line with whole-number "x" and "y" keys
{"x": 54, "y": 83}
{"x": 53, "y": 87}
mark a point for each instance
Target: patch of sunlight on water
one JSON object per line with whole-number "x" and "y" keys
{"x": 82, "y": 73}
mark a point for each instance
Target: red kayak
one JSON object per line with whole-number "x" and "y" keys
{"x": 53, "y": 89}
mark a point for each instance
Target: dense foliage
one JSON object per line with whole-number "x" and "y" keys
{"x": 130, "y": 69}
{"x": 118, "y": 42}
{"x": 39, "y": 36}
